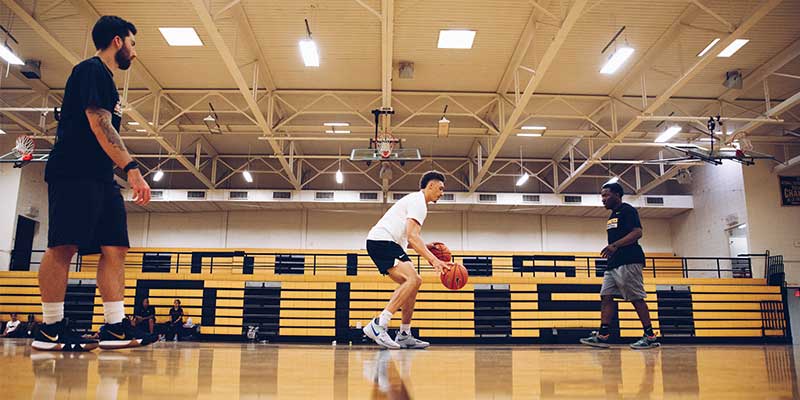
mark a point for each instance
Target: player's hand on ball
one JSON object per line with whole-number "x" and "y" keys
{"x": 440, "y": 266}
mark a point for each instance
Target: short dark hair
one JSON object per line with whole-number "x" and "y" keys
{"x": 177, "y": 300}
{"x": 615, "y": 188}
{"x": 107, "y": 28}
{"x": 430, "y": 176}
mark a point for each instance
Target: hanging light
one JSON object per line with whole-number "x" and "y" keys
{"x": 247, "y": 176}
{"x": 308, "y": 49}
{"x": 523, "y": 175}
{"x": 614, "y": 179}
{"x": 158, "y": 175}
{"x": 339, "y": 174}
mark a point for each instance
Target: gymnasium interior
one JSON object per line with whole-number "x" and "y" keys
{"x": 275, "y": 133}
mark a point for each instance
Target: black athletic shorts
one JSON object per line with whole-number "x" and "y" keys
{"x": 86, "y": 213}
{"x": 384, "y": 252}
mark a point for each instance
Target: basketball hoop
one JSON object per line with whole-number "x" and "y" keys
{"x": 24, "y": 148}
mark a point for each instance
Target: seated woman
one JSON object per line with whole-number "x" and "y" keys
{"x": 146, "y": 316}
{"x": 175, "y": 320}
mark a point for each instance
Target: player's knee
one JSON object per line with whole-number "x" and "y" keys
{"x": 415, "y": 280}
{"x": 115, "y": 252}
{"x": 63, "y": 253}
{"x": 606, "y": 298}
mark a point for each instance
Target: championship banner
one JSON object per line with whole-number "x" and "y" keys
{"x": 790, "y": 190}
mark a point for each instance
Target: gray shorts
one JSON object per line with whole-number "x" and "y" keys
{"x": 625, "y": 281}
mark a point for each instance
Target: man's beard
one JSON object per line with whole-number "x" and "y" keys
{"x": 123, "y": 59}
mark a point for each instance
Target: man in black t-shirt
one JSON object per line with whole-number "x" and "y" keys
{"x": 623, "y": 275}
{"x": 146, "y": 314}
{"x": 86, "y": 209}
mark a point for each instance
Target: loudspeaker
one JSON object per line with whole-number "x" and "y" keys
{"x": 733, "y": 80}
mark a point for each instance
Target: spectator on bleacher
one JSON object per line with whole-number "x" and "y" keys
{"x": 145, "y": 315}
{"x": 175, "y": 320}
{"x": 14, "y": 328}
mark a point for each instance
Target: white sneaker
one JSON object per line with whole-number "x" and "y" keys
{"x": 408, "y": 341}
{"x": 379, "y": 335}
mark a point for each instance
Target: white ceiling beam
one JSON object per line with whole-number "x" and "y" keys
{"x": 788, "y": 164}
{"x": 541, "y": 70}
{"x": 667, "y": 39}
{"x": 669, "y": 174}
{"x": 230, "y": 62}
{"x": 523, "y": 45}
{"x": 687, "y": 76}
{"x": 387, "y": 50}
{"x": 775, "y": 111}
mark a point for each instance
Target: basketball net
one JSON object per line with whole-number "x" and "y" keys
{"x": 24, "y": 148}
{"x": 385, "y": 142}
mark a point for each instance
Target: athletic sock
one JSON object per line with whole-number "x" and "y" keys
{"x": 648, "y": 331}
{"x": 114, "y": 311}
{"x": 604, "y": 328}
{"x": 384, "y": 319}
{"x": 405, "y": 329}
{"x": 52, "y": 312}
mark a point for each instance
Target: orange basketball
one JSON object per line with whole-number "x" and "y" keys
{"x": 455, "y": 278}
{"x": 440, "y": 251}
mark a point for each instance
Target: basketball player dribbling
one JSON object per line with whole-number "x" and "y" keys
{"x": 398, "y": 229}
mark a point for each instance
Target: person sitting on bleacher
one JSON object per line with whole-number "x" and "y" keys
{"x": 14, "y": 328}
{"x": 145, "y": 315}
{"x": 175, "y": 320}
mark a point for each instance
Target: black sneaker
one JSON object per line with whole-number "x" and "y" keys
{"x": 123, "y": 335}
{"x": 596, "y": 340}
{"x": 59, "y": 337}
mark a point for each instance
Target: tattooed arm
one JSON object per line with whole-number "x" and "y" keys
{"x": 108, "y": 137}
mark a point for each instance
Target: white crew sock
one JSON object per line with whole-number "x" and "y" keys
{"x": 405, "y": 329}
{"x": 52, "y": 312}
{"x": 114, "y": 311}
{"x": 385, "y": 317}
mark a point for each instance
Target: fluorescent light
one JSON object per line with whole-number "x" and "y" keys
{"x": 616, "y": 61}
{"x": 310, "y": 54}
{"x": 668, "y": 134}
{"x": 709, "y": 47}
{"x": 529, "y": 134}
{"x": 158, "y": 175}
{"x": 133, "y": 123}
{"x": 742, "y": 226}
{"x": 522, "y": 179}
{"x": 456, "y": 39}
{"x": 705, "y": 139}
{"x": 141, "y": 130}
{"x": 733, "y": 48}
{"x": 614, "y": 179}
{"x": 2, "y": 132}
{"x": 534, "y": 128}
{"x": 181, "y": 36}
{"x": 336, "y": 124}
{"x": 247, "y": 176}
{"x": 334, "y": 131}
{"x": 9, "y": 56}
{"x": 339, "y": 176}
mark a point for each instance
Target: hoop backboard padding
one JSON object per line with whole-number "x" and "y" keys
{"x": 696, "y": 153}
{"x": 40, "y": 155}
{"x": 395, "y": 155}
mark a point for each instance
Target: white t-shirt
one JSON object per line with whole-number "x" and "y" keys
{"x": 392, "y": 226}
{"x": 12, "y": 325}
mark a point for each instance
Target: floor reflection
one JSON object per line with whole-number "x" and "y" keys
{"x": 259, "y": 371}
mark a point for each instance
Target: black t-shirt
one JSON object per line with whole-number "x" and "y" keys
{"x": 620, "y": 223}
{"x": 77, "y": 153}
{"x": 147, "y": 312}
{"x": 176, "y": 315}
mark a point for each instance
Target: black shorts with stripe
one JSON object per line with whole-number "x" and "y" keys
{"x": 384, "y": 253}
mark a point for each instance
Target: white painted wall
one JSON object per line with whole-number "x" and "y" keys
{"x": 310, "y": 229}
{"x": 718, "y": 192}
{"x": 32, "y": 203}
{"x": 771, "y": 226}
{"x": 9, "y": 193}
